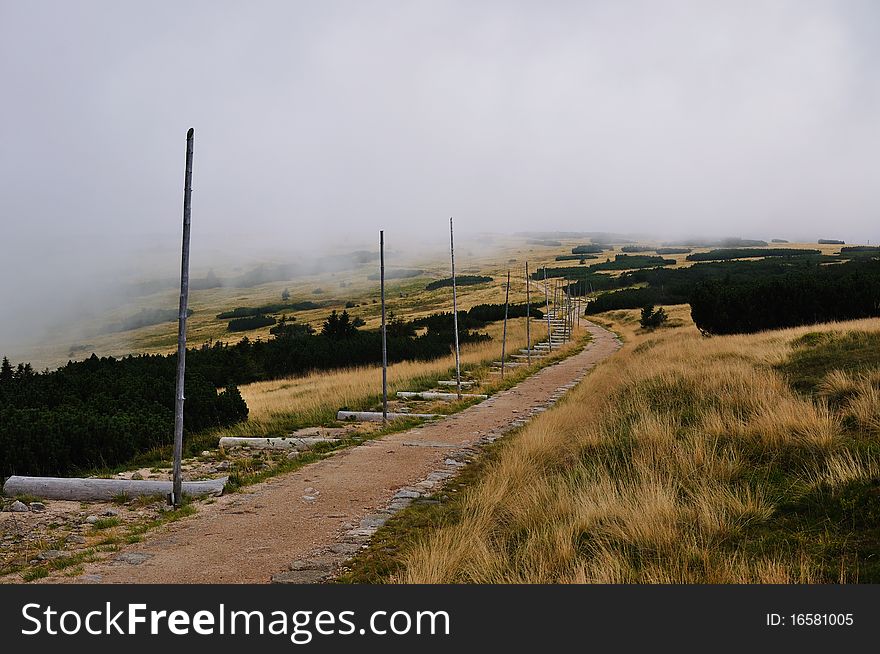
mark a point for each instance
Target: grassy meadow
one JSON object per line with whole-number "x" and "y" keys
{"x": 682, "y": 459}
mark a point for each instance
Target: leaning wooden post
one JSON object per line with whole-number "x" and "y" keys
{"x": 504, "y": 332}
{"x": 177, "y": 481}
{"x": 455, "y": 313}
{"x": 528, "y": 318}
{"x": 384, "y": 332}
{"x": 547, "y": 303}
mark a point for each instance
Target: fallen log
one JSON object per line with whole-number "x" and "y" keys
{"x": 280, "y": 443}
{"x": 451, "y": 382}
{"x": 430, "y": 395}
{"x": 376, "y": 416}
{"x": 95, "y": 490}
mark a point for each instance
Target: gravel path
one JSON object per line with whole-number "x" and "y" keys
{"x": 298, "y": 527}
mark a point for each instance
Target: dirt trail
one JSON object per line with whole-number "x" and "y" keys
{"x": 248, "y": 537}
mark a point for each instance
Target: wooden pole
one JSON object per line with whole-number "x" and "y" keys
{"x": 384, "y": 330}
{"x": 455, "y": 313}
{"x": 547, "y": 303}
{"x": 528, "y": 318}
{"x": 504, "y": 332}
{"x": 567, "y": 304}
{"x": 177, "y": 480}
{"x": 581, "y": 302}
{"x": 556, "y": 298}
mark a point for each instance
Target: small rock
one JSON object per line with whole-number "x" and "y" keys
{"x": 309, "y": 498}
{"x": 324, "y": 563}
{"x": 92, "y": 519}
{"x": 206, "y": 453}
{"x": 133, "y": 558}
{"x": 293, "y": 455}
{"x": 111, "y": 512}
{"x": 363, "y": 533}
{"x": 137, "y": 476}
{"x": 223, "y": 466}
{"x": 376, "y": 520}
{"x": 346, "y": 549}
{"x": 300, "y": 577}
{"x": 37, "y": 507}
{"x": 311, "y": 491}
{"x": 76, "y": 539}
{"x": 406, "y": 494}
{"x": 18, "y": 507}
{"x": 48, "y": 555}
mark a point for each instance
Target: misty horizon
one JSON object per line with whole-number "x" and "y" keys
{"x": 318, "y": 125}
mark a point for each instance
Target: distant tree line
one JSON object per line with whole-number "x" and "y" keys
{"x": 477, "y": 317}
{"x": 250, "y": 322}
{"x": 460, "y": 280}
{"x": 672, "y": 250}
{"x": 588, "y": 249}
{"x": 630, "y": 261}
{"x": 575, "y": 257}
{"x": 723, "y": 254}
{"x": 245, "y": 312}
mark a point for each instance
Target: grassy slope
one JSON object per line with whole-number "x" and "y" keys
{"x": 680, "y": 460}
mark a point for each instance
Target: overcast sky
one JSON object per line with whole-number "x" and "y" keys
{"x": 319, "y": 122}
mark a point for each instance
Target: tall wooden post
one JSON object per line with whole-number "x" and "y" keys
{"x": 570, "y": 314}
{"x": 528, "y": 318}
{"x": 504, "y": 332}
{"x": 566, "y": 305}
{"x": 384, "y": 339}
{"x": 455, "y": 313}
{"x": 177, "y": 480}
{"x": 556, "y": 298}
{"x": 547, "y": 303}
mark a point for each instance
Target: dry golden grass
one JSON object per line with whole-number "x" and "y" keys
{"x": 645, "y": 472}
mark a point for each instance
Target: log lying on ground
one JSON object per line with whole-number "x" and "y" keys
{"x": 430, "y": 395}
{"x": 290, "y": 443}
{"x": 95, "y": 490}
{"x": 376, "y": 416}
